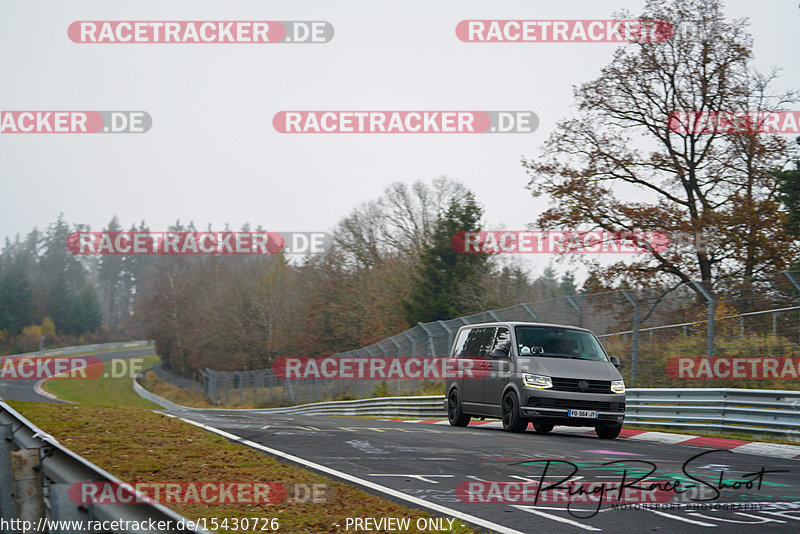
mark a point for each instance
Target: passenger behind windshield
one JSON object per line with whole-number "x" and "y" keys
{"x": 558, "y": 342}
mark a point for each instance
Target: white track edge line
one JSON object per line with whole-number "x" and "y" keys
{"x": 560, "y": 519}
{"x": 366, "y": 483}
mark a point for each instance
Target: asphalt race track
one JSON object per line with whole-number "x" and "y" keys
{"x": 23, "y": 389}
{"x": 427, "y": 463}
{"x": 421, "y": 465}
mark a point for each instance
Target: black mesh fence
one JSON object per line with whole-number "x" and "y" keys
{"x": 652, "y": 331}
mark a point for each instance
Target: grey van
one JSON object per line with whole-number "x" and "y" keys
{"x": 541, "y": 373}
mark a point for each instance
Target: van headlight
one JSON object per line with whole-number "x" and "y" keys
{"x": 618, "y": 386}
{"x": 537, "y": 381}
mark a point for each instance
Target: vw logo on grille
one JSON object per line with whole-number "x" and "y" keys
{"x": 583, "y": 385}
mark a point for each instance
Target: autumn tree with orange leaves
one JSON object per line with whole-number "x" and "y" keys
{"x": 617, "y": 165}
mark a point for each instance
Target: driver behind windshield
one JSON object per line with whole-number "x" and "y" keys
{"x": 562, "y": 345}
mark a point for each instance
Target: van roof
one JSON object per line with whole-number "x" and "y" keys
{"x": 525, "y": 323}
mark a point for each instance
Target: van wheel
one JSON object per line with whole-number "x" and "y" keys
{"x": 454, "y": 413}
{"x": 607, "y": 431}
{"x": 543, "y": 428}
{"x": 512, "y": 422}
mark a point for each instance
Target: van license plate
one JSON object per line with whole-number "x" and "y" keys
{"x": 582, "y": 413}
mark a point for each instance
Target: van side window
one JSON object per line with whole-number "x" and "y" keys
{"x": 474, "y": 343}
{"x": 460, "y": 344}
{"x": 486, "y": 342}
{"x": 501, "y": 345}
{"x": 470, "y": 345}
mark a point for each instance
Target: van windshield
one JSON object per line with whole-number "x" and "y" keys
{"x": 555, "y": 342}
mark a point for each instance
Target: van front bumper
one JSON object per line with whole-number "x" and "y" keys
{"x": 554, "y": 406}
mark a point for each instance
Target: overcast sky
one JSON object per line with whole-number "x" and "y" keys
{"x": 212, "y": 155}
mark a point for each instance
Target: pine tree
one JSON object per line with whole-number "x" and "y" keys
{"x": 87, "y": 313}
{"x": 16, "y": 301}
{"x": 448, "y": 283}
{"x": 112, "y": 282}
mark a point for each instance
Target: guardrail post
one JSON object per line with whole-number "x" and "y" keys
{"x": 26, "y": 481}
{"x": 450, "y": 334}
{"x": 635, "y": 351}
{"x": 711, "y": 313}
{"x": 288, "y": 392}
{"x": 530, "y": 311}
{"x": 210, "y": 384}
{"x": 577, "y": 308}
{"x": 63, "y": 509}
{"x": 431, "y": 346}
{"x": 239, "y": 381}
{"x": 396, "y": 346}
{"x": 411, "y": 341}
{"x": 396, "y": 353}
{"x": 386, "y": 355}
{"x": 7, "y": 509}
{"x": 796, "y": 283}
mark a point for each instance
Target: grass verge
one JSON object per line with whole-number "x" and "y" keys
{"x": 178, "y": 395}
{"x": 113, "y": 428}
{"x": 140, "y": 446}
{"x": 112, "y": 388}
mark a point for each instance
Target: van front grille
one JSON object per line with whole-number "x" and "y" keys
{"x": 571, "y": 384}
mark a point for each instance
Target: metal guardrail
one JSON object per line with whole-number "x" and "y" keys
{"x": 155, "y": 399}
{"x": 36, "y": 473}
{"x": 78, "y": 349}
{"x": 751, "y": 411}
{"x": 413, "y": 407}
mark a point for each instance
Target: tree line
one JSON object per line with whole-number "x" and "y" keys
{"x": 616, "y": 166}
{"x": 391, "y": 265}
{"x": 45, "y": 291}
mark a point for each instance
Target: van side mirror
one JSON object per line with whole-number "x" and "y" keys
{"x": 615, "y": 361}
